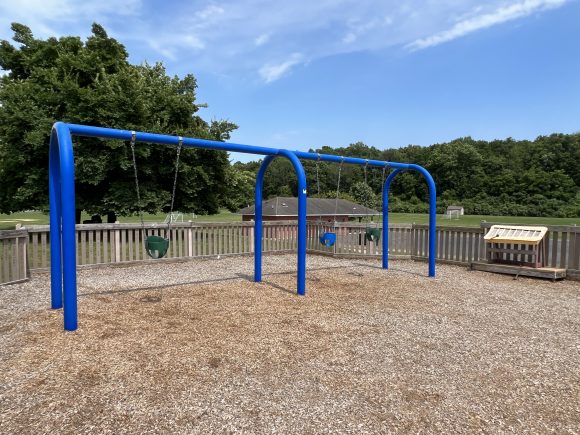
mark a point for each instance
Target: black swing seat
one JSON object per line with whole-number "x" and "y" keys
{"x": 156, "y": 246}
{"x": 328, "y": 239}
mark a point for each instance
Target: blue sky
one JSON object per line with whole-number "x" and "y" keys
{"x": 301, "y": 74}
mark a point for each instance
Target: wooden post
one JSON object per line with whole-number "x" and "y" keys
{"x": 25, "y": 272}
{"x": 190, "y": 240}
{"x": 117, "y": 242}
{"x": 252, "y": 239}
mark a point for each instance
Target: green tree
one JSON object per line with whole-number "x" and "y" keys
{"x": 239, "y": 188}
{"x": 458, "y": 166}
{"x": 93, "y": 83}
{"x": 363, "y": 194}
{"x": 280, "y": 179}
{"x": 509, "y": 177}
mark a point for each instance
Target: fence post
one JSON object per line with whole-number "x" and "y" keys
{"x": 413, "y": 240}
{"x": 252, "y": 239}
{"x": 190, "y": 240}
{"x": 25, "y": 268}
{"x": 483, "y": 244}
{"x": 117, "y": 244}
{"x": 20, "y": 256}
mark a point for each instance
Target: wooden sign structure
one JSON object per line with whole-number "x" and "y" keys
{"x": 517, "y": 245}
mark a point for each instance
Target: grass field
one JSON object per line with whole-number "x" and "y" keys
{"x": 8, "y": 222}
{"x": 475, "y": 220}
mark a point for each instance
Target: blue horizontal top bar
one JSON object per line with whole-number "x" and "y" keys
{"x": 111, "y": 133}
{"x": 350, "y": 160}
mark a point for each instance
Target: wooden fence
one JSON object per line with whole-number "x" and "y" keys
{"x": 350, "y": 240}
{"x": 121, "y": 243}
{"x": 13, "y": 256}
{"x": 29, "y": 249}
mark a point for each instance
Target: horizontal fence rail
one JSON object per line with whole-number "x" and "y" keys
{"x": 28, "y": 249}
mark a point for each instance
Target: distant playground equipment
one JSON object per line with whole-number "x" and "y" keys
{"x": 454, "y": 212}
{"x": 62, "y": 204}
{"x": 175, "y": 217}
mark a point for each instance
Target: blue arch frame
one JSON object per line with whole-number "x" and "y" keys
{"x": 62, "y": 203}
{"x": 302, "y": 192}
{"x": 432, "y": 215}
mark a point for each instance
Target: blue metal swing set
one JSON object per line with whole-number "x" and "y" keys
{"x": 62, "y": 203}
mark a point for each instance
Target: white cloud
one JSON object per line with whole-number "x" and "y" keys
{"x": 262, "y": 39}
{"x": 192, "y": 41}
{"x": 63, "y": 17}
{"x": 209, "y": 12}
{"x": 272, "y": 72}
{"x": 500, "y": 15}
{"x": 171, "y": 47}
{"x": 251, "y": 37}
{"x": 359, "y": 28}
{"x": 162, "y": 49}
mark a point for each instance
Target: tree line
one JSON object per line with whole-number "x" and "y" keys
{"x": 500, "y": 177}
{"x": 92, "y": 82}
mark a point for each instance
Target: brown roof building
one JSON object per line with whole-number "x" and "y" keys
{"x": 286, "y": 208}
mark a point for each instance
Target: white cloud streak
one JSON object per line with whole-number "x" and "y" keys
{"x": 478, "y": 22}
{"x": 262, "y": 39}
{"x": 272, "y": 72}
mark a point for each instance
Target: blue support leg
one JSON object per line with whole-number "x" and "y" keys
{"x": 69, "y": 270}
{"x": 302, "y": 195}
{"x": 432, "y": 216}
{"x": 55, "y": 222}
{"x": 386, "y": 188}
{"x": 258, "y": 218}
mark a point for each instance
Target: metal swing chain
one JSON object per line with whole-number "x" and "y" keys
{"x": 318, "y": 179}
{"x": 179, "y": 147}
{"x": 366, "y": 197}
{"x": 383, "y": 186}
{"x": 320, "y": 226}
{"x": 133, "y": 140}
{"x": 337, "y": 188}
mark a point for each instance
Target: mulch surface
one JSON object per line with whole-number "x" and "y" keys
{"x": 197, "y": 347}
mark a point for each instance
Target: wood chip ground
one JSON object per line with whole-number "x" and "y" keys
{"x": 197, "y": 347}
